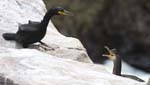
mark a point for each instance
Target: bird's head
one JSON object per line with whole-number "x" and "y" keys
{"x": 112, "y": 53}
{"x": 60, "y": 11}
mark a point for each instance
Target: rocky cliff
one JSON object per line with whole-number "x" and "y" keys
{"x": 36, "y": 66}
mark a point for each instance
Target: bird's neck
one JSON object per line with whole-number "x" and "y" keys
{"x": 46, "y": 19}
{"x": 117, "y": 65}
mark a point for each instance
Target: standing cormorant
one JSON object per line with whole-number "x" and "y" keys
{"x": 113, "y": 55}
{"x": 34, "y": 31}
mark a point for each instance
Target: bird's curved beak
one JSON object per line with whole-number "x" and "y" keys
{"x": 111, "y": 54}
{"x": 65, "y": 12}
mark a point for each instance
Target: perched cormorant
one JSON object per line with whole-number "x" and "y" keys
{"x": 34, "y": 31}
{"x": 113, "y": 55}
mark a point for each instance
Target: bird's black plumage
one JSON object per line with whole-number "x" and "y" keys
{"x": 34, "y": 31}
{"x": 117, "y": 59}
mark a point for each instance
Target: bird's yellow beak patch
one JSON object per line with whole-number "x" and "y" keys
{"x": 61, "y": 13}
{"x": 65, "y": 13}
{"x": 111, "y": 54}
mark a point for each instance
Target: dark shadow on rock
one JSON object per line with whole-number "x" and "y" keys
{"x": 6, "y": 81}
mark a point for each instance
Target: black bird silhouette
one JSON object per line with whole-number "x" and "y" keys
{"x": 113, "y": 55}
{"x": 34, "y": 31}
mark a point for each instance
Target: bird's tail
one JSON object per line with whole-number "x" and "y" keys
{"x": 9, "y": 36}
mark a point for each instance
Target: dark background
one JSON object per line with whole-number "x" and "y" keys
{"x": 120, "y": 24}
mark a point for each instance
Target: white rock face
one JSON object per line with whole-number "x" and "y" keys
{"x": 13, "y": 12}
{"x": 33, "y": 67}
{"x": 43, "y": 69}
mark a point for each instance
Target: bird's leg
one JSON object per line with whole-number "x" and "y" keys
{"x": 45, "y": 46}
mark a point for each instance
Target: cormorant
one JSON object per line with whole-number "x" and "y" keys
{"x": 34, "y": 31}
{"x": 113, "y": 55}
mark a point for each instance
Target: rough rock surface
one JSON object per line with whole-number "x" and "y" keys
{"x": 43, "y": 69}
{"x": 32, "y": 67}
{"x": 14, "y": 12}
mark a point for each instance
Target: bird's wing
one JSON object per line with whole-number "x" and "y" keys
{"x": 28, "y": 27}
{"x": 25, "y": 32}
{"x": 33, "y": 22}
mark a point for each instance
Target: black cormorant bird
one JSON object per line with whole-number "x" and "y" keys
{"x": 113, "y": 55}
{"x": 34, "y": 31}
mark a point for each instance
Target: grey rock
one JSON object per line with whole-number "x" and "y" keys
{"x": 43, "y": 69}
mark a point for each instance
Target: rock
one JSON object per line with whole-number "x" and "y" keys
{"x": 15, "y": 12}
{"x": 22, "y": 68}
{"x": 35, "y": 67}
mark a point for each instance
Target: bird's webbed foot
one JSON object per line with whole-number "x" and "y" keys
{"x": 45, "y": 46}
